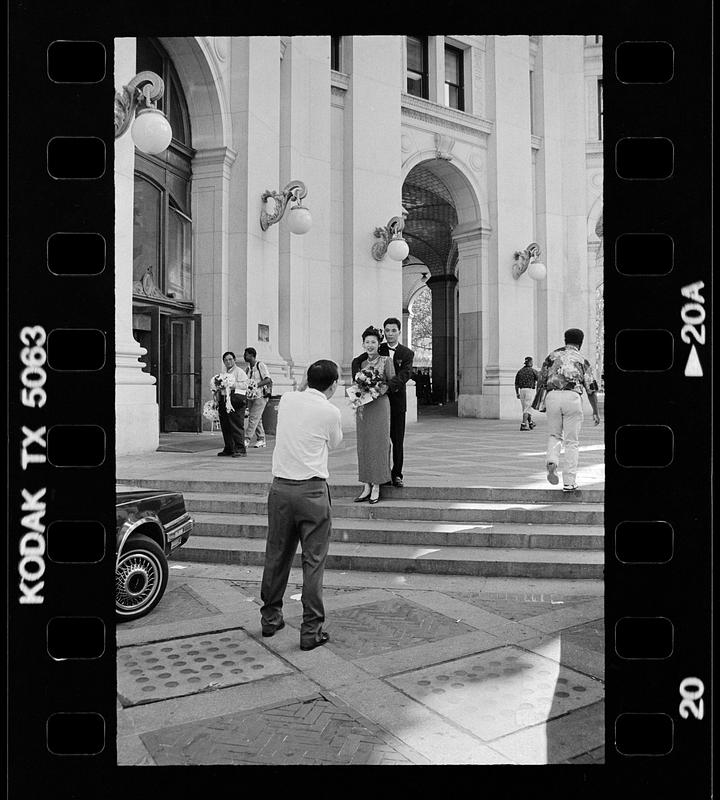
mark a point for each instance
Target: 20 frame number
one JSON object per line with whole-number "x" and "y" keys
{"x": 691, "y": 691}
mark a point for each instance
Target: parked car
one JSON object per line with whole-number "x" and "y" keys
{"x": 151, "y": 524}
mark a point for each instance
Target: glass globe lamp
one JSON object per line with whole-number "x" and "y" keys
{"x": 398, "y": 249}
{"x": 151, "y": 131}
{"x": 537, "y": 270}
{"x": 299, "y": 220}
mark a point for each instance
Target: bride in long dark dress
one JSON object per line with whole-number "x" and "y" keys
{"x": 373, "y": 421}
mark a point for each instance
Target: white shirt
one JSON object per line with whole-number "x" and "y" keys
{"x": 308, "y": 426}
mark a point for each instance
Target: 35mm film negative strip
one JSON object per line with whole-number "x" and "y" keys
{"x": 67, "y": 344}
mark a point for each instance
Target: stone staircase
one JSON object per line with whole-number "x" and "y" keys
{"x": 487, "y": 532}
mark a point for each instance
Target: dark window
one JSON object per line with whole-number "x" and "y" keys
{"x": 336, "y": 53}
{"x": 454, "y": 79}
{"x": 162, "y": 230}
{"x": 600, "y": 108}
{"x": 151, "y": 56}
{"x": 417, "y": 66}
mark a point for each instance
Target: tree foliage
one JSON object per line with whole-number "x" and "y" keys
{"x": 421, "y": 308}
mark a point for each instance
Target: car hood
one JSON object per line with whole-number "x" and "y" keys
{"x": 129, "y": 493}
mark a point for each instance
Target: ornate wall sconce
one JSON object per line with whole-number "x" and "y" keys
{"x": 528, "y": 260}
{"x": 391, "y": 241}
{"x": 274, "y": 204}
{"x": 151, "y": 130}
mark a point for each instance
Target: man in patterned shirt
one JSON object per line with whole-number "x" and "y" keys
{"x": 564, "y": 373}
{"x": 525, "y": 383}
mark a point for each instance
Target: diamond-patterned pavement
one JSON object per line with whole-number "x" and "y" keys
{"x": 516, "y": 606}
{"x": 311, "y": 732}
{"x": 589, "y": 635}
{"x": 177, "y": 667}
{"x": 179, "y": 602}
{"x": 394, "y": 624}
{"x": 501, "y": 691}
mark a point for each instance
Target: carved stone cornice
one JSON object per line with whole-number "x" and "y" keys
{"x": 214, "y": 160}
{"x": 467, "y": 232}
{"x": 432, "y": 114}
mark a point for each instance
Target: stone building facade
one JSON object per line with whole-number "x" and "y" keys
{"x": 482, "y": 144}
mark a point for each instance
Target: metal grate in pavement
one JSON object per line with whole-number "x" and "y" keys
{"x": 500, "y": 691}
{"x": 177, "y": 667}
{"x": 387, "y": 625}
{"x": 311, "y": 731}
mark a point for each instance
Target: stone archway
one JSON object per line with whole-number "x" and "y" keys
{"x": 441, "y": 202}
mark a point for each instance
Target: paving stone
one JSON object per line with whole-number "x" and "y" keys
{"x": 177, "y": 667}
{"x": 596, "y": 756}
{"x": 570, "y": 738}
{"x": 517, "y": 607}
{"x": 252, "y": 588}
{"x": 501, "y": 691}
{"x": 589, "y": 636}
{"x": 387, "y": 625}
{"x": 313, "y": 731}
{"x": 179, "y": 602}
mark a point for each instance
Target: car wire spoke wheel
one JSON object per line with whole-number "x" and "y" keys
{"x": 140, "y": 578}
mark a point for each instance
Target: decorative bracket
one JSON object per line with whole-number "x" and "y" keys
{"x": 145, "y": 89}
{"x": 443, "y": 146}
{"x": 523, "y": 259}
{"x": 385, "y": 235}
{"x": 295, "y": 190}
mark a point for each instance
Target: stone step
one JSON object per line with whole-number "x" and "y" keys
{"x": 421, "y": 510}
{"x": 479, "y": 561}
{"x": 350, "y": 489}
{"x": 416, "y": 534}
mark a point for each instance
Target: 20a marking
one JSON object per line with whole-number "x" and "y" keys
{"x": 691, "y": 691}
{"x": 693, "y": 330}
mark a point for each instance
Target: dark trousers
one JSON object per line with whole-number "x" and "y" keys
{"x": 233, "y": 425}
{"x": 397, "y": 437}
{"x": 298, "y": 511}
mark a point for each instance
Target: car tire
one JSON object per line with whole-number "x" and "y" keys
{"x": 140, "y": 578}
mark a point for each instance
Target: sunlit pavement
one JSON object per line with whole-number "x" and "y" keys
{"x": 419, "y": 669}
{"x": 440, "y": 450}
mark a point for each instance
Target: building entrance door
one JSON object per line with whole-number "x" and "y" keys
{"x": 172, "y": 341}
{"x": 180, "y": 390}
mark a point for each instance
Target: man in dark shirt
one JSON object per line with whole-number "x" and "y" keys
{"x": 525, "y": 383}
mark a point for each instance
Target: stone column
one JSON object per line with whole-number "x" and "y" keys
{"x": 253, "y": 274}
{"x": 407, "y": 327}
{"x": 478, "y": 339}
{"x": 137, "y": 422}
{"x": 210, "y": 212}
{"x": 561, "y": 188}
{"x": 305, "y": 307}
{"x": 510, "y": 301}
{"x": 443, "y": 336}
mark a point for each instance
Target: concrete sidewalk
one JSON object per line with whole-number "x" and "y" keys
{"x": 419, "y": 669}
{"x": 439, "y": 451}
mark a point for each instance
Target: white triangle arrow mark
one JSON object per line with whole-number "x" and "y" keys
{"x": 693, "y": 368}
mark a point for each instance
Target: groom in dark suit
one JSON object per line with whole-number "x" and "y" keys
{"x": 403, "y": 361}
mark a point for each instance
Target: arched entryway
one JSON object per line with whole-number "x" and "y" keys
{"x": 173, "y": 264}
{"x": 439, "y": 202}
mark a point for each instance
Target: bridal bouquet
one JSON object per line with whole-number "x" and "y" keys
{"x": 366, "y": 387}
{"x": 252, "y": 391}
{"x": 224, "y": 383}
